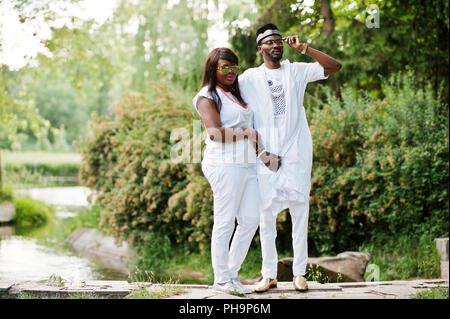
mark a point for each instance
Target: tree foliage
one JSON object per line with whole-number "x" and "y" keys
{"x": 410, "y": 34}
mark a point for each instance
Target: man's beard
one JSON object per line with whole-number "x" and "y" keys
{"x": 275, "y": 58}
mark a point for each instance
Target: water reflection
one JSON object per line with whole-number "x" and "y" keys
{"x": 74, "y": 196}
{"x": 25, "y": 259}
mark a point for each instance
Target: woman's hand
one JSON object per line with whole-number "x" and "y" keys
{"x": 272, "y": 161}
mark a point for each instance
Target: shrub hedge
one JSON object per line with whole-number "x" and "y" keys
{"x": 380, "y": 166}
{"x": 127, "y": 159}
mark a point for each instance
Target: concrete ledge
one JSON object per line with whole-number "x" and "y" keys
{"x": 401, "y": 289}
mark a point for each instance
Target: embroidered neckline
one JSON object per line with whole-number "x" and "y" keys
{"x": 278, "y": 94}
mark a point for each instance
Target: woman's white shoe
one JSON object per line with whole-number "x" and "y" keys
{"x": 239, "y": 287}
{"x": 227, "y": 287}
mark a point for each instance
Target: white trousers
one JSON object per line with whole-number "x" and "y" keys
{"x": 236, "y": 196}
{"x": 268, "y": 233}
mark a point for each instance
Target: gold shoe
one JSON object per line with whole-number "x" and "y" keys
{"x": 265, "y": 284}
{"x": 300, "y": 283}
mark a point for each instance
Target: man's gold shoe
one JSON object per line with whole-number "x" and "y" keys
{"x": 265, "y": 284}
{"x": 300, "y": 283}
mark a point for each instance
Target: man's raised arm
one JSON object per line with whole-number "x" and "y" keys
{"x": 330, "y": 65}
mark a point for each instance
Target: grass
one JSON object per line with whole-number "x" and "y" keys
{"x": 6, "y": 194}
{"x": 433, "y": 293}
{"x": 33, "y": 157}
{"x": 164, "y": 289}
{"x": 42, "y": 168}
{"x": 403, "y": 257}
{"x": 24, "y": 295}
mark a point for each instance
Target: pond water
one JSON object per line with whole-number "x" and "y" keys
{"x": 23, "y": 257}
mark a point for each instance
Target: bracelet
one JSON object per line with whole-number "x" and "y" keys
{"x": 262, "y": 151}
{"x": 304, "y": 50}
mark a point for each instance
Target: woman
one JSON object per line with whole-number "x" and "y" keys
{"x": 229, "y": 164}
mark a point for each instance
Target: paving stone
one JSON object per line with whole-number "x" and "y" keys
{"x": 362, "y": 284}
{"x": 312, "y": 286}
{"x": 195, "y": 294}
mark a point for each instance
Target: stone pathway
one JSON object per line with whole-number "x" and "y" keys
{"x": 399, "y": 289}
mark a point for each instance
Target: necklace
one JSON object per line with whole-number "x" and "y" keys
{"x": 230, "y": 97}
{"x": 275, "y": 94}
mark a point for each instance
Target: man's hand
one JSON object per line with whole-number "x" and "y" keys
{"x": 294, "y": 42}
{"x": 330, "y": 65}
{"x": 272, "y": 161}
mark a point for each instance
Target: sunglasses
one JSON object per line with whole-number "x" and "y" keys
{"x": 272, "y": 42}
{"x": 226, "y": 69}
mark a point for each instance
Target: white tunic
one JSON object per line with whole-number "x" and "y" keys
{"x": 232, "y": 115}
{"x": 292, "y": 182}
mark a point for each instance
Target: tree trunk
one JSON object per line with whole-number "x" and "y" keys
{"x": 266, "y": 16}
{"x": 328, "y": 24}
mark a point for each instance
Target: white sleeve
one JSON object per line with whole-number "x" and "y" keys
{"x": 202, "y": 93}
{"x": 309, "y": 72}
{"x": 245, "y": 84}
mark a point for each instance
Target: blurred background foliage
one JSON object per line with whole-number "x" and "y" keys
{"x": 380, "y": 125}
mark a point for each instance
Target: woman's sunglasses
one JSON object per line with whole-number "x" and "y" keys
{"x": 226, "y": 69}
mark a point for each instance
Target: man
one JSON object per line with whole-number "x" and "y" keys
{"x": 274, "y": 91}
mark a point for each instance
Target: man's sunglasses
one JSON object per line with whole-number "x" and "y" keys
{"x": 226, "y": 69}
{"x": 272, "y": 42}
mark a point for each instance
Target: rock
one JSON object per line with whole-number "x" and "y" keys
{"x": 345, "y": 267}
{"x": 7, "y": 212}
{"x": 105, "y": 249}
{"x": 442, "y": 247}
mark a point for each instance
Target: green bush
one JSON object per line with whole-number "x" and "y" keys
{"x": 31, "y": 213}
{"x": 127, "y": 158}
{"x": 380, "y": 166}
{"x": 5, "y": 193}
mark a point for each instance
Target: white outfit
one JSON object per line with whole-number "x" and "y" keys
{"x": 231, "y": 171}
{"x": 232, "y": 115}
{"x": 285, "y": 132}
